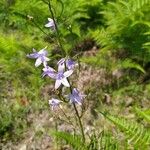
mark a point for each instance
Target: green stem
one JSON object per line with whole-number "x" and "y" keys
{"x": 66, "y": 117}
{"x": 63, "y": 53}
{"x": 39, "y": 27}
{"x": 78, "y": 117}
{"x": 57, "y": 31}
{"x": 80, "y": 122}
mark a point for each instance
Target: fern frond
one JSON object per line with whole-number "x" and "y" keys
{"x": 135, "y": 134}
{"x": 127, "y": 64}
{"x": 138, "y": 4}
{"x": 143, "y": 114}
{"x": 73, "y": 140}
{"x": 104, "y": 140}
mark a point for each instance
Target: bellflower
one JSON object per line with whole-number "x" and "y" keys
{"x": 61, "y": 64}
{"x": 39, "y": 56}
{"x": 50, "y": 24}
{"x": 70, "y": 64}
{"x": 49, "y": 72}
{"x": 76, "y": 97}
{"x": 61, "y": 78}
{"x": 54, "y": 103}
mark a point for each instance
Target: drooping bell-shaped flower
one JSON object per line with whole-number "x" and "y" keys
{"x": 70, "y": 64}
{"x": 50, "y": 24}
{"x": 48, "y": 71}
{"x": 76, "y": 96}
{"x": 54, "y": 103}
{"x": 61, "y": 64}
{"x": 39, "y": 56}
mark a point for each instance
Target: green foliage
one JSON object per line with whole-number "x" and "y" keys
{"x": 104, "y": 140}
{"x": 135, "y": 134}
{"x": 74, "y": 23}
{"x": 127, "y": 29}
{"x": 19, "y": 83}
{"x": 73, "y": 140}
{"x": 144, "y": 114}
{"x": 12, "y": 120}
{"x": 17, "y": 14}
{"x": 100, "y": 141}
{"x": 29, "y": 15}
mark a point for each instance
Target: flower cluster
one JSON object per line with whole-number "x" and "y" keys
{"x": 65, "y": 69}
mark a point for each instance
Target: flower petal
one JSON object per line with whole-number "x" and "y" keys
{"x": 65, "y": 82}
{"x": 46, "y": 58}
{"x": 49, "y": 25}
{"x": 33, "y": 55}
{"x": 54, "y": 103}
{"x": 50, "y": 19}
{"x": 34, "y": 50}
{"x": 57, "y": 84}
{"x": 68, "y": 73}
{"x": 70, "y": 64}
{"x": 38, "y": 62}
{"x": 61, "y": 67}
{"x": 62, "y": 60}
{"x": 43, "y": 51}
{"x": 75, "y": 91}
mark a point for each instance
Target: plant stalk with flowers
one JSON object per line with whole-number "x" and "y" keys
{"x": 66, "y": 67}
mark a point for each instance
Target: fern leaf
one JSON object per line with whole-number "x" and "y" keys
{"x": 143, "y": 114}
{"x": 135, "y": 134}
{"x": 74, "y": 140}
{"x": 138, "y": 4}
{"x": 127, "y": 63}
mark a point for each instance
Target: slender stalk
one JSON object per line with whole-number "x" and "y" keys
{"x": 80, "y": 122}
{"x": 78, "y": 116}
{"x": 39, "y": 27}
{"x": 66, "y": 117}
{"x": 56, "y": 129}
{"x": 57, "y": 31}
{"x": 63, "y": 53}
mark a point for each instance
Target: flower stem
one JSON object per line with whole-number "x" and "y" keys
{"x": 80, "y": 122}
{"x": 63, "y": 53}
{"x": 78, "y": 116}
{"x": 57, "y": 31}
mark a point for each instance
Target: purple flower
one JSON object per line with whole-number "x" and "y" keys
{"x": 61, "y": 78}
{"x": 70, "y": 64}
{"x": 49, "y": 72}
{"x": 61, "y": 64}
{"x": 39, "y": 56}
{"x": 54, "y": 103}
{"x": 50, "y": 24}
{"x": 76, "y": 97}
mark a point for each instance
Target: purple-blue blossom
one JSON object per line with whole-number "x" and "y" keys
{"x": 48, "y": 71}
{"x": 50, "y": 24}
{"x": 39, "y": 56}
{"x": 76, "y": 96}
{"x": 70, "y": 64}
{"x": 61, "y": 64}
{"x": 61, "y": 78}
{"x": 54, "y": 103}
